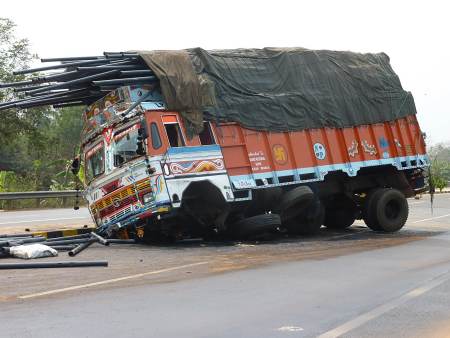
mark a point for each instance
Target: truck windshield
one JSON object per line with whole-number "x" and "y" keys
{"x": 95, "y": 162}
{"x": 125, "y": 145}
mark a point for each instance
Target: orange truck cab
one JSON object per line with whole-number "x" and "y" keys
{"x": 146, "y": 177}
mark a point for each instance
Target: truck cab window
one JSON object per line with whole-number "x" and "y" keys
{"x": 174, "y": 135}
{"x": 206, "y": 136}
{"x": 156, "y": 139}
{"x": 125, "y": 145}
{"x": 95, "y": 162}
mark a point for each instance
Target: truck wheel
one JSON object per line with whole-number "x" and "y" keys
{"x": 255, "y": 225}
{"x": 294, "y": 202}
{"x": 387, "y": 210}
{"x": 307, "y": 223}
{"x": 339, "y": 218}
{"x": 367, "y": 212}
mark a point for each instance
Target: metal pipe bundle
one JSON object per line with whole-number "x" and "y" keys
{"x": 76, "y": 80}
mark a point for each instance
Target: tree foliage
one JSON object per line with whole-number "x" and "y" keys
{"x": 35, "y": 144}
{"x": 440, "y": 165}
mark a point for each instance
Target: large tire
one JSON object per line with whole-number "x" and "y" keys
{"x": 255, "y": 225}
{"x": 309, "y": 222}
{"x": 339, "y": 218}
{"x": 294, "y": 202}
{"x": 367, "y": 212}
{"x": 388, "y": 210}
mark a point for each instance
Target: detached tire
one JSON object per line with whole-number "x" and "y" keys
{"x": 386, "y": 210}
{"x": 255, "y": 225}
{"x": 294, "y": 202}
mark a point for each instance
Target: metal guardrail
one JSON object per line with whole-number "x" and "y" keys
{"x": 39, "y": 194}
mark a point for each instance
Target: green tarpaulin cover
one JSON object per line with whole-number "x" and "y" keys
{"x": 280, "y": 89}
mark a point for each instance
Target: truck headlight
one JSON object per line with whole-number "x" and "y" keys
{"x": 148, "y": 198}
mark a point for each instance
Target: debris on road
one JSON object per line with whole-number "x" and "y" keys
{"x": 44, "y": 265}
{"x": 28, "y": 247}
{"x": 31, "y": 251}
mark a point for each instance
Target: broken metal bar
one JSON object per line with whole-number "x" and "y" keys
{"x": 109, "y": 67}
{"x": 74, "y": 82}
{"x": 68, "y": 241}
{"x": 62, "y": 247}
{"x": 100, "y": 239}
{"x": 81, "y": 247}
{"x": 73, "y": 58}
{"x": 16, "y": 235}
{"x": 62, "y": 65}
{"x": 16, "y": 84}
{"x": 127, "y": 80}
{"x": 41, "y": 265}
{"x": 86, "y": 235}
{"x": 136, "y": 72}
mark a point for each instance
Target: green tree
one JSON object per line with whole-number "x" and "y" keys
{"x": 440, "y": 165}
{"x": 35, "y": 144}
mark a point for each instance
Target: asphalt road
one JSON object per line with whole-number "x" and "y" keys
{"x": 353, "y": 283}
{"x": 18, "y": 221}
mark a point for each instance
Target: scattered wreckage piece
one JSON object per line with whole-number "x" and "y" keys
{"x": 44, "y": 265}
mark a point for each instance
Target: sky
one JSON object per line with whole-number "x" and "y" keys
{"x": 415, "y": 34}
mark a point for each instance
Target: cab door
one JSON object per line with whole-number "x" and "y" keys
{"x": 185, "y": 160}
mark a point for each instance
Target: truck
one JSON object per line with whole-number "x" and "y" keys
{"x": 238, "y": 143}
{"x": 147, "y": 176}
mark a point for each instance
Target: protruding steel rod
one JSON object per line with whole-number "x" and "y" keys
{"x": 100, "y": 239}
{"x": 81, "y": 247}
{"x": 74, "y": 58}
{"x": 125, "y": 80}
{"x": 74, "y": 82}
{"x": 41, "y": 265}
{"x": 62, "y": 65}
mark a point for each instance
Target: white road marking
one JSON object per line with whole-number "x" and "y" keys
{"x": 44, "y": 220}
{"x": 380, "y": 310}
{"x": 108, "y": 281}
{"x": 290, "y": 329}
{"x": 431, "y": 218}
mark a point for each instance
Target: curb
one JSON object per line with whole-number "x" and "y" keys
{"x": 63, "y": 233}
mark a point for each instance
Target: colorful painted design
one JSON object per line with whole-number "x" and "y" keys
{"x": 121, "y": 198}
{"x": 353, "y": 149}
{"x": 369, "y": 148}
{"x": 158, "y": 184}
{"x": 190, "y": 167}
{"x": 383, "y": 142}
{"x": 319, "y": 151}
{"x": 279, "y": 154}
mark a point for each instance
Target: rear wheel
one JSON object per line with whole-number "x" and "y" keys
{"x": 294, "y": 202}
{"x": 308, "y": 222}
{"x": 386, "y": 210}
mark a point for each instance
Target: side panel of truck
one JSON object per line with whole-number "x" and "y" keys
{"x": 257, "y": 159}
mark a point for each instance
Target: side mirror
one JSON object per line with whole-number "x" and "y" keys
{"x": 75, "y": 166}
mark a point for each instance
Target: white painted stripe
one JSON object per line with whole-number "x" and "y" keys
{"x": 380, "y": 310}
{"x": 431, "y": 218}
{"x": 44, "y": 220}
{"x": 108, "y": 281}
